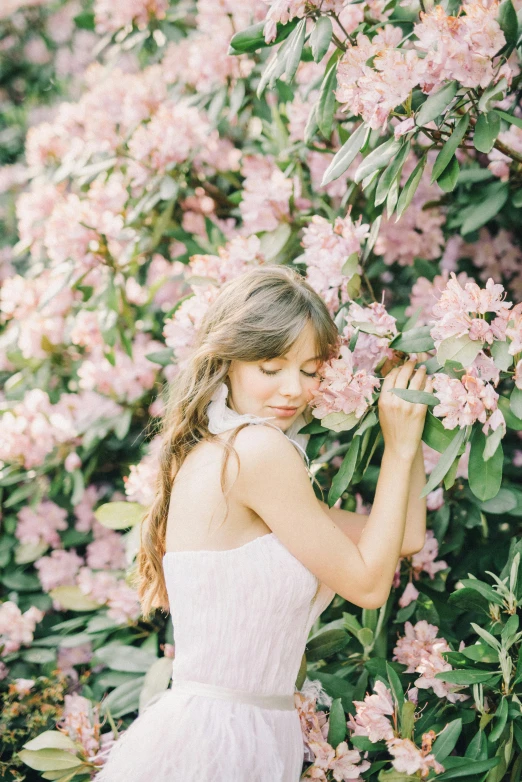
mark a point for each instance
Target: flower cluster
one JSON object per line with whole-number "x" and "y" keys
{"x": 343, "y": 389}
{"x": 421, "y": 651}
{"x": 327, "y": 249}
{"x": 372, "y": 343}
{"x": 17, "y": 628}
{"x": 422, "y": 561}
{"x": 467, "y": 399}
{"x": 372, "y": 720}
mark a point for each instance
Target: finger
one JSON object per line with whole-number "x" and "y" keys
{"x": 417, "y": 380}
{"x": 404, "y": 374}
{"x": 389, "y": 380}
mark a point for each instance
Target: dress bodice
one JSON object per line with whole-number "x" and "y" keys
{"x": 242, "y": 616}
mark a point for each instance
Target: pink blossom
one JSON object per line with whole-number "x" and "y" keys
{"x": 110, "y": 16}
{"x": 409, "y": 594}
{"x": 23, "y": 686}
{"x": 462, "y": 401}
{"x": 72, "y": 462}
{"x": 371, "y": 714}
{"x": 69, "y": 656}
{"x": 514, "y": 331}
{"x": 83, "y": 510}
{"x": 58, "y": 569}
{"x": 371, "y": 348}
{"x": 141, "y": 481}
{"x": 421, "y": 651}
{"x": 327, "y": 248}
{"x": 180, "y": 330}
{"x": 107, "y": 551}
{"x": 343, "y": 389}
{"x": 17, "y": 628}
{"x": 107, "y": 589}
{"x": 409, "y": 759}
{"x": 42, "y": 524}
{"x": 80, "y": 721}
{"x": 266, "y": 195}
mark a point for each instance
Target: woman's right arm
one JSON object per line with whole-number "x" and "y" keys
{"x": 273, "y": 482}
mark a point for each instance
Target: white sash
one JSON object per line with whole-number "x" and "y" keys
{"x": 282, "y": 702}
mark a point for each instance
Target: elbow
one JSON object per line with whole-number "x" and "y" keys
{"x": 374, "y": 600}
{"x": 414, "y": 548}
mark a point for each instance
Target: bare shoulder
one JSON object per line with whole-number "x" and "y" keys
{"x": 261, "y": 446}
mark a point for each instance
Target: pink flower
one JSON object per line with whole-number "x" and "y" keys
{"x": 343, "y": 389}
{"x": 371, "y": 715}
{"x": 327, "y": 248}
{"x": 72, "y": 462}
{"x": 466, "y": 400}
{"x": 42, "y": 524}
{"x": 17, "y": 628}
{"x": 409, "y": 759}
{"x": 58, "y": 569}
{"x": 421, "y": 651}
{"x": 23, "y": 686}
{"x": 371, "y": 348}
{"x": 266, "y": 195}
{"x": 409, "y": 594}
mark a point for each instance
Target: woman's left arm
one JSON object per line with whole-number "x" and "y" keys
{"x": 352, "y": 524}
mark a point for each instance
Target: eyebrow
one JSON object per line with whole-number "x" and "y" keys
{"x": 275, "y": 358}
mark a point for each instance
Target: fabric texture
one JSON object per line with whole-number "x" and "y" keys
{"x": 241, "y": 620}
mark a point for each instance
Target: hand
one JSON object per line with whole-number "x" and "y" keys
{"x": 402, "y": 422}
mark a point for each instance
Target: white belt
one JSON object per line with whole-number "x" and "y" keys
{"x": 283, "y": 702}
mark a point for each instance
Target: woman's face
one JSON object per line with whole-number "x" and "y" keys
{"x": 289, "y": 384}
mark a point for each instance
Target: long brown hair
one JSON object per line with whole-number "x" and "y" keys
{"x": 257, "y": 315}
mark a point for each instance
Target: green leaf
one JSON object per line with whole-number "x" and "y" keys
{"x": 73, "y": 599}
{"x": 295, "y": 50}
{"x": 492, "y": 94}
{"x": 444, "y": 463}
{"x": 421, "y": 397}
{"x": 337, "y": 724}
{"x": 449, "y": 148}
{"x": 461, "y": 349}
{"x": 417, "y": 340}
{"x": 496, "y": 196}
{"x": 487, "y": 591}
{"x": 410, "y": 187}
{"x": 407, "y": 719}
{"x": 512, "y": 422}
{"x": 344, "y": 475}
{"x": 435, "y": 104}
{"x": 377, "y": 159}
{"x": 124, "y": 699}
{"x": 311, "y": 125}
{"x": 119, "y": 515}
{"x": 326, "y": 103}
{"x": 120, "y": 657}
{"x": 396, "y": 686}
{"x": 346, "y": 154}
{"x": 51, "y": 739}
{"x": 340, "y": 422}
{"x": 484, "y": 477}
{"x": 391, "y": 173}
{"x": 251, "y": 38}
{"x": 325, "y": 644}
{"x": 157, "y": 680}
{"x": 162, "y": 357}
{"x": 435, "y": 434}
{"x": 445, "y": 742}
{"x": 321, "y": 37}
{"x": 507, "y": 19}
{"x": 467, "y": 769}
{"x": 477, "y": 748}
{"x": 503, "y": 502}
{"x": 49, "y": 759}
{"x": 501, "y": 356}
{"x": 492, "y": 442}
{"x": 486, "y": 131}
{"x": 480, "y": 653}
{"x": 515, "y": 402}
{"x": 499, "y": 721}
{"x": 463, "y": 677}
{"x": 509, "y": 118}
{"x": 449, "y": 177}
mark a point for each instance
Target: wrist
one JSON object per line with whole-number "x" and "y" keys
{"x": 401, "y": 455}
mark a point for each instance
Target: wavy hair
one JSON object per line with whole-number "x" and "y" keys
{"x": 255, "y": 316}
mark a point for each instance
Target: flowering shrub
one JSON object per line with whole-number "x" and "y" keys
{"x": 158, "y": 151}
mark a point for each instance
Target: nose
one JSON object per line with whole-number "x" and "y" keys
{"x": 291, "y": 385}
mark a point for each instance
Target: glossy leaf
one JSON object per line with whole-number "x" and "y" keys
{"x": 486, "y": 131}
{"x": 346, "y": 154}
{"x": 484, "y": 476}
{"x": 450, "y": 147}
{"x": 321, "y": 37}
{"x": 435, "y": 104}
{"x": 410, "y": 187}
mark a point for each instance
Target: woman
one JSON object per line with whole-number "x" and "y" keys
{"x": 241, "y": 551}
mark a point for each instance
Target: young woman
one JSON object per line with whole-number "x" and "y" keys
{"x": 241, "y": 551}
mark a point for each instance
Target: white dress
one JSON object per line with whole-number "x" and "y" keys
{"x": 241, "y": 620}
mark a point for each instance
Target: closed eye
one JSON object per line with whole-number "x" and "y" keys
{"x": 275, "y": 371}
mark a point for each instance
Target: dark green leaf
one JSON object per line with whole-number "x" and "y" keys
{"x": 515, "y": 402}
{"x": 449, "y": 177}
{"x": 445, "y": 742}
{"x": 326, "y": 104}
{"x": 415, "y": 340}
{"x": 344, "y": 475}
{"x": 325, "y": 644}
{"x": 251, "y": 38}
{"x": 421, "y": 397}
{"x": 410, "y": 187}
{"x": 435, "y": 435}
{"x": 321, "y": 37}
{"x": 337, "y": 724}
{"x": 486, "y": 131}
{"x": 496, "y": 196}
{"x": 507, "y": 19}
{"x": 449, "y": 148}
{"x": 484, "y": 477}
{"x": 346, "y": 154}
{"x": 435, "y": 104}
{"x": 444, "y": 463}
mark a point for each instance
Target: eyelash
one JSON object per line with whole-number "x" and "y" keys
{"x": 265, "y": 372}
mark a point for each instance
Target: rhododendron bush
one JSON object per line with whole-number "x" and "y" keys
{"x": 152, "y": 151}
